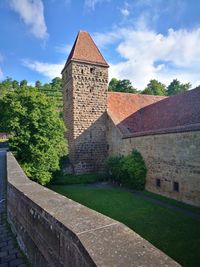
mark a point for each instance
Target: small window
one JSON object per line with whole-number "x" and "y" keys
{"x": 92, "y": 70}
{"x": 176, "y": 186}
{"x": 100, "y": 73}
{"x": 82, "y": 71}
{"x": 158, "y": 184}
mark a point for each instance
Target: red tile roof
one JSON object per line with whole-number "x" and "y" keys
{"x": 122, "y": 105}
{"x": 142, "y": 114}
{"x": 85, "y": 50}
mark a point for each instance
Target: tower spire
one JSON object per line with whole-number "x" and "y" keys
{"x": 85, "y": 50}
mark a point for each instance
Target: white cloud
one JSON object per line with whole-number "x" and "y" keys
{"x": 92, "y": 3}
{"x": 125, "y": 12}
{"x": 32, "y": 13}
{"x": 150, "y": 55}
{"x": 49, "y": 70}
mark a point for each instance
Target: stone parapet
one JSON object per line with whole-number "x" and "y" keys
{"x": 56, "y": 231}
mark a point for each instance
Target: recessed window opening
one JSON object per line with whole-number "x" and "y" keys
{"x": 82, "y": 72}
{"x": 176, "y": 186}
{"x": 92, "y": 70}
{"x": 158, "y": 183}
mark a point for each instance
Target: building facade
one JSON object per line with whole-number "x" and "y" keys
{"x": 165, "y": 130}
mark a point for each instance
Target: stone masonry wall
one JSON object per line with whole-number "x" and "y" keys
{"x": 85, "y": 103}
{"x": 172, "y": 157}
{"x": 55, "y": 231}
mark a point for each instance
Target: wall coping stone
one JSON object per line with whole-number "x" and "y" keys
{"x": 100, "y": 239}
{"x": 178, "y": 129}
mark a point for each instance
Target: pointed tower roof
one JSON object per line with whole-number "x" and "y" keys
{"x": 85, "y": 50}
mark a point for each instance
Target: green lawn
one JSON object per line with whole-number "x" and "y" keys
{"x": 175, "y": 233}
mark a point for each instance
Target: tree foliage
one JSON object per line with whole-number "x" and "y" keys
{"x": 123, "y": 86}
{"x": 155, "y": 87}
{"x": 53, "y": 89}
{"x": 36, "y": 131}
{"x": 177, "y": 87}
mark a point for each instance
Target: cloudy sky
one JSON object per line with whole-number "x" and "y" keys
{"x": 140, "y": 39}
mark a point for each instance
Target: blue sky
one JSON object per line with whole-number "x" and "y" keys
{"x": 140, "y": 39}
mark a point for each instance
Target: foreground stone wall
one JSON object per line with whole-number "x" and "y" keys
{"x": 55, "y": 231}
{"x": 172, "y": 157}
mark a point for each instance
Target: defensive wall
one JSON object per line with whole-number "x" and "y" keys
{"x": 53, "y": 230}
{"x": 172, "y": 157}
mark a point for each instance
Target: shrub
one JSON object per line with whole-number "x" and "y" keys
{"x": 114, "y": 168}
{"x": 134, "y": 167}
{"x": 128, "y": 170}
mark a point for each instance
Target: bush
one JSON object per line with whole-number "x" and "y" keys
{"x": 128, "y": 170}
{"x": 134, "y": 166}
{"x": 114, "y": 168}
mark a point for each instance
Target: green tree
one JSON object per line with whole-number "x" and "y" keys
{"x": 23, "y": 84}
{"x": 15, "y": 84}
{"x": 123, "y": 86}
{"x": 176, "y": 87}
{"x": 5, "y": 86}
{"x": 155, "y": 87}
{"x": 56, "y": 84}
{"x": 113, "y": 84}
{"x": 37, "y": 132}
{"x": 38, "y": 84}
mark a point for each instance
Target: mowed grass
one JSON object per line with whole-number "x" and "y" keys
{"x": 176, "y": 234}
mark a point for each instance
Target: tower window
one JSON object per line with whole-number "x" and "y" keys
{"x": 176, "y": 186}
{"x": 100, "y": 73}
{"x": 92, "y": 70}
{"x": 158, "y": 183}
{"x": 82, "y": 71}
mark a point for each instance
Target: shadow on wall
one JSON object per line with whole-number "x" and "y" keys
{"x": 88, "y": 151}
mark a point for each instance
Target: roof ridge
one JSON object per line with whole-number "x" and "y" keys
{"x": 142, "y": 95}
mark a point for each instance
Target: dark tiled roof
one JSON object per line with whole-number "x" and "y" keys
{"x": 171, "y": 114}
{"x": 85, "y": 50}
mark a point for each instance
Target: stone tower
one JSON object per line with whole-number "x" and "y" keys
{"x": 85, "y": 79}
